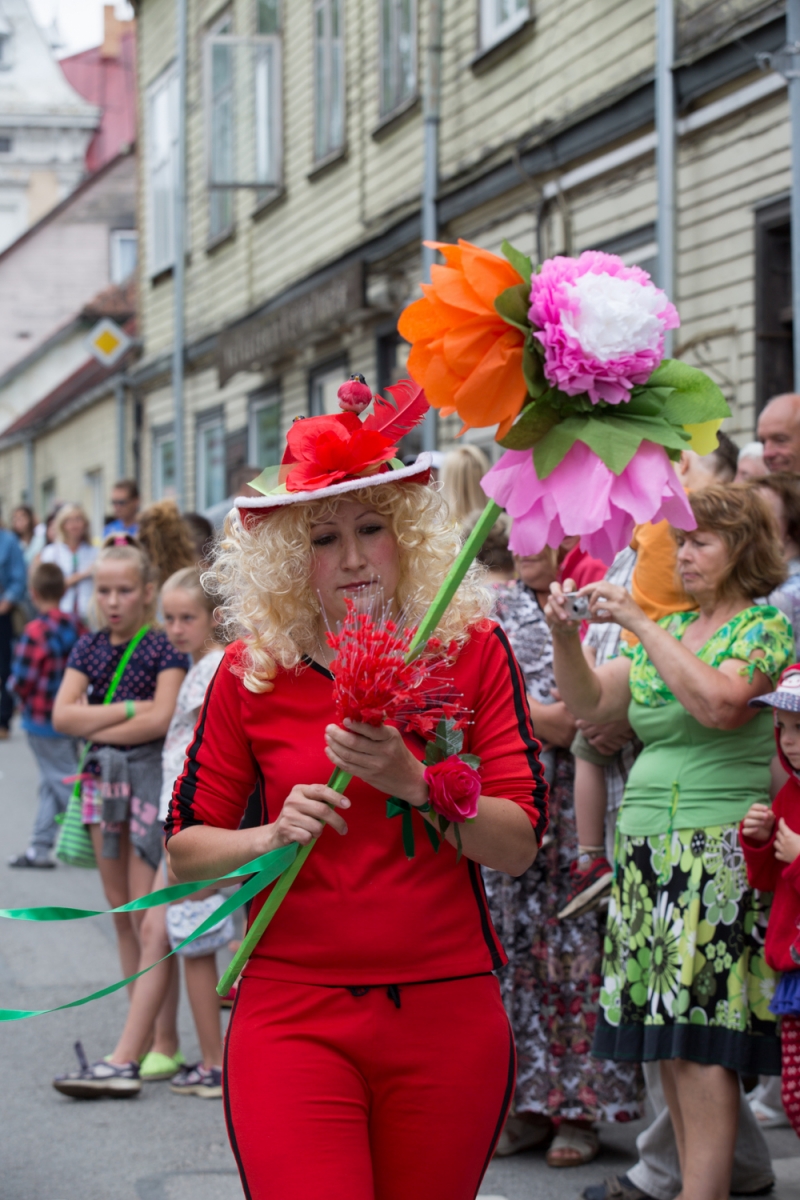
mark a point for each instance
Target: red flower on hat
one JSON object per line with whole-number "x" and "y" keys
{"x": 327, "y": 450}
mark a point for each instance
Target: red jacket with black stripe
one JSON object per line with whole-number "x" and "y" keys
{"x": 359, "y": 912}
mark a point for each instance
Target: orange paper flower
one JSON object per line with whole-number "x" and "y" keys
{"x": 465, "y": 356}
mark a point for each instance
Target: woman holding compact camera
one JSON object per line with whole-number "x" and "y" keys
{"x": 551, "y": 983}
{"x": 685, "y": 982}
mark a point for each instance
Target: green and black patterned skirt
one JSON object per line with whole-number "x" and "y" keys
{"x": 684, "y": 974}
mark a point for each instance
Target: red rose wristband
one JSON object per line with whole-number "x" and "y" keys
{"x": 454, "y": 788}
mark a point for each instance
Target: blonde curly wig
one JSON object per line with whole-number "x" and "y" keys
{"x": 261, "y": 575}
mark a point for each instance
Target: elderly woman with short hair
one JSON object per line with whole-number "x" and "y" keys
{"x": 685, "y": 980}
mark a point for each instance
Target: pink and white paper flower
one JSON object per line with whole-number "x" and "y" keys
{"x": 601, "y": 324}
{"x": 582, "y": 496}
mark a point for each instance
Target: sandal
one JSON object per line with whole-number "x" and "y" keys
{"x": 91, "y": 1080}
{"x": 573, "y": 1146}
{"x": 521, "y": 1134}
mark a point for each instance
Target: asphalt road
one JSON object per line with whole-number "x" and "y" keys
{"x": 158, "y": 1146}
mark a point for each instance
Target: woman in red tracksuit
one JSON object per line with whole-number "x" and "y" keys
{"x": 770, "y": 839}
{"x": 369, "y": 1056}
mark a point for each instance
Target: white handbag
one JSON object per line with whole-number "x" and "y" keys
{"x": 184, "y": 917}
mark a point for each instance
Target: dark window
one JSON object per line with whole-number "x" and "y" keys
{"x": 392, "y": 353}
{"x": 5, "y": 145}
{"x": 774, "y": 356}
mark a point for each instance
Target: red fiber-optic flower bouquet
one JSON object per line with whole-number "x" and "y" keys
{"x": 375, "y": 682}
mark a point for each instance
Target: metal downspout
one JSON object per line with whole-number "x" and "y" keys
{"x": 179, "y": 266}
{"x": 431, "y": 105}
{"x": 666, "y": 152}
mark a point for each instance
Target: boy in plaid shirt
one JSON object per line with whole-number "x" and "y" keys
{"x": 39, "y": 661}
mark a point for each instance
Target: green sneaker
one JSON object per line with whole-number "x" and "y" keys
{"x": 155, "y": 1066}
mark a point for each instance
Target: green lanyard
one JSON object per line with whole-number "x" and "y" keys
{"x": 123, "y": 662}
{"x": 109, "y": 696}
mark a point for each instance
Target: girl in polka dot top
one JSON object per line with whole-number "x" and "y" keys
{"x": 122, "y": 775}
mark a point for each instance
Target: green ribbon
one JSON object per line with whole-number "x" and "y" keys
{"x": 264, "y": 870}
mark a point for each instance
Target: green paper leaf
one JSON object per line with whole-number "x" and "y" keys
{"x": 614, "y": 439}
{"x": 535, "y": 420}
{"x": 513, "y": 305}
{"x": 471, "y": 760}
{"x": 533, "y": 369}
{"x": 698, "y": 398}
{"x": 519, "y": 261}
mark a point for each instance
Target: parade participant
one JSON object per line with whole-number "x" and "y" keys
{"x": 119, "y": 794}
{"x": 192, "y": 629}
{"x": 685, "y": 980}
{"x": 368, "y": 1034}
{"x": 770, "y": 840}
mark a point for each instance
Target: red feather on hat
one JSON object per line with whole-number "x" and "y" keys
{"x": 397, "y": 416}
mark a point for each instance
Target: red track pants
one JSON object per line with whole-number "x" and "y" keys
{"x": 331, "y": 1095}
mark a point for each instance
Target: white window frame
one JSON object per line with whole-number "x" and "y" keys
{"x": 326, "y": 142}
{"x": 267, "y": 129}
{"x": 333, "y": 374}
{"x": 161, "y": 438}
{"x": 221, "y": 206}
{"x": 117, "y": 240}
{"x": 493, "y": 30}
{"x": 162, "y": 169}
{"x": 258, "y": 404}
{"x": 204, "y": 426}
{"x": 394, "y": 67}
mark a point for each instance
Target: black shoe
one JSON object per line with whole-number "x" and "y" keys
{"x": 24, "y": 860}
{"x": 615, "y": 1187}
{"x": 762, "y": 1191}
{"x": 94, "y": 1080}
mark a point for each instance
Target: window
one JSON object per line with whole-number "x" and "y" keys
{"x": 220, "y": 205}
{"x": 210, "y": 461}
{"x": 268, "y": 117}
{"x": 328, "y": 78}
{"x": 6, "y": 144}
{"x": 96, "y": 506}
{"x": 499, "y": 18}
{"x": 164, "y": 472}
{"x": 265, "y": 444}
{"x": 48, "y": 492}
{"x": 124, "y": 252}
{"x": 6, "y": 56}
{"x": 398, "y": 53}
{"x": 268, "y": 16}
{"x": 323, "y": 386}
{"x": 774, "y": 315}
{"x": 163, "y": 169}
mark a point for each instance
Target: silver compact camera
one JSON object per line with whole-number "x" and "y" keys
{"x": 577, "y": 607}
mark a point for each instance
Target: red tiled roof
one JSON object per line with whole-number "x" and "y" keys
{"x": 87, "y": 377}
{"x": 111, "y": 84}
{"x": 117, "y": 301}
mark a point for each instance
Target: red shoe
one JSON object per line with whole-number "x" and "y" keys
{"x": 587, "y": 887}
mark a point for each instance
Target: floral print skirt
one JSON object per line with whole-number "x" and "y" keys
{"x": 684, "y": 974}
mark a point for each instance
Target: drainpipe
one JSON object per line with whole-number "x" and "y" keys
{"x": 665, "y": 152}
{"x": 793, "y": 77}
{"x": 431, "y": 105}
{"x": 30, "y": 482}
{"x": 120, "y": 383}
{"x": 179, "y": 266}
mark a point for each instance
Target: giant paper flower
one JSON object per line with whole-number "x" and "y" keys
{"x": 325, "y": 450}
{"x": 601, "y": 325}
{"x": 582, "y": 496}
{"x": 465, "y": 356}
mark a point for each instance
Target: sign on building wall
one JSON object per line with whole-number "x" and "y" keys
{"x": 260, "y": 340}
{"x": 107, "y": 342}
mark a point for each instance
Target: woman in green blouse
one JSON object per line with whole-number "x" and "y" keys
{"x": 685, "y": 981}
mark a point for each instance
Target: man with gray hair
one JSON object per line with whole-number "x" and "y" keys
{"x": 779, "y": 431}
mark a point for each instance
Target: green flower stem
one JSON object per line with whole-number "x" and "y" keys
{"x": 339, "y": 779}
